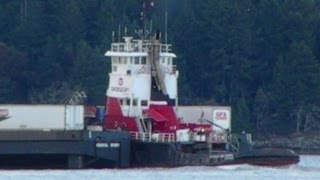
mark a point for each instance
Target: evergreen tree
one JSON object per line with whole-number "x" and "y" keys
{"x": 296, "y": 83}
{"x": 13, "y": 75}
{"x": 261, "y": 57}
{"x": 89, "y": 73}
{"x": 261, "y": 110}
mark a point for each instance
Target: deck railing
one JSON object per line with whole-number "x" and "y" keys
{"x": 218, "y": 138}
{"x": 136, "y": 47}
{"x": 196, "y": 137}
{"x": 155, "y": 137}
{"x": 169, "y": 137}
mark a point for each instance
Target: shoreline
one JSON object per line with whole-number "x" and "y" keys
{"x": 302, "y": 145}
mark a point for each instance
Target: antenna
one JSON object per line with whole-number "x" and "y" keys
{"x": 119, "y": 33}
{"x": 125, "y": 32}
{"x": 166, "y": 24}
{"x": 150, "y": 26}
{"x": 144, "y": 18}
{"x": 112, "y": 36}
{"x": 143, "y": 34}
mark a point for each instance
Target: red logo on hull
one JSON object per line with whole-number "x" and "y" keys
{"x": 120, "y": 81}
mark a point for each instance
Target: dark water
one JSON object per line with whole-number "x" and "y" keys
{"x": 308, "y": 168}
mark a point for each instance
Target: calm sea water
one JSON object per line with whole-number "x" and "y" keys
{"x": 308, "y": 168}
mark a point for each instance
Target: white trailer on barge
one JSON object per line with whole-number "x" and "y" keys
{"x": 49, "y": 136}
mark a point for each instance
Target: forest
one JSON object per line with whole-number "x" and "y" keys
{"x": 261, "y": 57}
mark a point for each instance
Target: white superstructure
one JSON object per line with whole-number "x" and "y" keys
{"x": 140, "y": 67}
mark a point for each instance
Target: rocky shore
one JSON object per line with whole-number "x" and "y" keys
{"x": 302, "y": 144}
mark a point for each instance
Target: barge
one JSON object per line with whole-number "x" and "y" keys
{"x": 56, "y": 136}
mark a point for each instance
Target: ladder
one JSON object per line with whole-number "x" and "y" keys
{"x": 77, "y": 98}
{"x": 140, "y": 124}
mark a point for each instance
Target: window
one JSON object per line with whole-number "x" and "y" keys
{"x": 128, "y": 101}
{"x": 136, "y": 60}
{"x": 114, "y": 68}
{"x": 143, "y": 60}
{"x": 114, "y": 60}
{"x": 125, "y": 60}
{"x": 144, "y": 103}
{"x": 135, "y": 102}
{"x": 162, "y": 60}
{"x": 169, "y": 61}
{"x": 125, "y": 102}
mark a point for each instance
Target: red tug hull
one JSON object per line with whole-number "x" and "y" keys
{"x": 151, "y": 153}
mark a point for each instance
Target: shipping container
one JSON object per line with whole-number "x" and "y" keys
{"x": 43, "y": 117}
{"x": 222, "y": 118}
{"x": 220, "y": 115}
{"x": 193, "y": 114}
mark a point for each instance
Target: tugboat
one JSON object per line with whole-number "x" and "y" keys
{"x": 142, "y": 98}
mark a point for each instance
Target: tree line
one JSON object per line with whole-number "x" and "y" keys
{"x": 259, "y": 56}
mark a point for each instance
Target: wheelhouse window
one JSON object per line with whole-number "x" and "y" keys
{"x": 115, "y": 60}
{"x": 144, "y": 103}
{"x": 123, "y": 60}
{"x": 135, "y": 102}
{"x": 136, "y": 60}
{"x": 131, "y": 60}
{"x": 143, "y": 60}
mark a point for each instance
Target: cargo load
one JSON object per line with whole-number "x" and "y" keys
{"x": 41, "y": 117}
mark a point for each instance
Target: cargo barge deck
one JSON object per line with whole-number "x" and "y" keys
{"x": 64, "y": 149}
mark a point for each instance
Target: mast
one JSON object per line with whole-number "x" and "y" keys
{"x": 166, "y": 23}
{"x": 144, "y": 19}
{"x": 119, "y": 32}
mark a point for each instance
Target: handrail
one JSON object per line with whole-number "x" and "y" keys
{"x": 214, "y": 138}
{"x": 169, "y": 137}
{"x": 209, "y": 138}
{"x": 155, "y": 137}
{"x": 137, "y": 47}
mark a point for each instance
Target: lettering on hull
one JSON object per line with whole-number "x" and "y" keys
{"x": 107, "y": 145}
{"x": 119, "y": 89}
